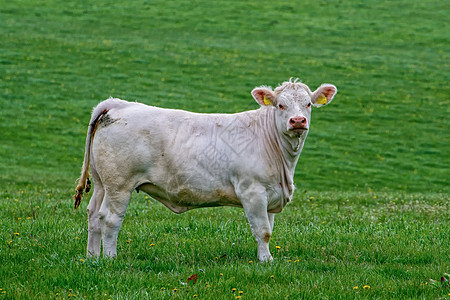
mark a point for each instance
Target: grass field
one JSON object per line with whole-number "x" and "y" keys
{"x": 372, "y": 218}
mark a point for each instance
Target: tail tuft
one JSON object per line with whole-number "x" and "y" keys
{"x": 79, "y": 192}
{"x": 78, "y": 195}
{"x": 88, "y": 186}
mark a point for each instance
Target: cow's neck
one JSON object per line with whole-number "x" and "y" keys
{"x": 291, "y": 148}
{"x": 286, "y": 150}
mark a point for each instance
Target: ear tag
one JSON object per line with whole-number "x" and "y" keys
{"x": 267, "y": 101}
{"x": 322, "y": 100}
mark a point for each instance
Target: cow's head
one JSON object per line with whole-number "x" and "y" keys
{"x": 292, "y": 103}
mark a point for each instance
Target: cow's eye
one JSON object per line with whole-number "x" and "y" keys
{"x": 280, "y": 106}
{"x": 309, "y": 105}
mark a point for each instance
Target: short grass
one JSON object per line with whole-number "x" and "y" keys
{"x": 371, "y": 205}
{"x": 325, "y": 245}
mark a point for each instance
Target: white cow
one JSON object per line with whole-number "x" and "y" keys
{"x": 190, "y": 160}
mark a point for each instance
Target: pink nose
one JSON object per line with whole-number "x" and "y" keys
{"x": 298, "y": 122}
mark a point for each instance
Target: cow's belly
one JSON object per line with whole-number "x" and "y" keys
{"x": 184, "y": 198}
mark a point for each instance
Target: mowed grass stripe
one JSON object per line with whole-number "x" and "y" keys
{"x": 389, "y": 69}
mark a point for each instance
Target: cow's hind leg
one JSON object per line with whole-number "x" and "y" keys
{"x": 112, "y": 212}
{"x": 94, "y": 229}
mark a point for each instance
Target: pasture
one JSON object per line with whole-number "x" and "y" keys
{"x": 371, "y": 213}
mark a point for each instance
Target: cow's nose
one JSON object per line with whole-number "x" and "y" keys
{"x": 298, "y": 122}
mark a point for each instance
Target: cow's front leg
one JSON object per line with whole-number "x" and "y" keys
{"x": 255, "y": 207}
{"x": 271, "y": 221}
{"x": 259, "y": 223}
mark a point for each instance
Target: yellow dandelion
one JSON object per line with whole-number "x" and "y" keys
{"x": 82, "y": 260}
{"x": 70, "y": 291}
{"x": 233, "y": 290}
{"x": 241, "y": 292}
{"x": 271, "y": 276}
{"x": 289, "y": 260}
{"x": 366, "y": 287}
{"x": 163, "y": 288}
{"x": 57, "y": 294}
{"x": 355, "y": 287}
{"x": 194, "y": 296}
{"x": 77, "y": 238}
{"x": 250, "y": 261}
{"x": 221, "y": 274}
{"x": 216, "y": 257}
{"x": 297, "y": 260}
{"x": 16, "y": 233}
{"x": 208, "y": 285}
{"x": 278, "y": 247}
{"x": 128, "y": 241}
{"x": 238, "y": 297}
{"x": 151, "y": 245}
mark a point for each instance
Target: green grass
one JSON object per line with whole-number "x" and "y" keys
{"x": 385, "y": 136}
{"x": 329, "y": 244}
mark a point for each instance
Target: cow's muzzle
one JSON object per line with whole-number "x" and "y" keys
{"x": 298, "y": 123}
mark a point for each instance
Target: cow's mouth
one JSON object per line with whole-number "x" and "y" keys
{"x": 297, "y": 132}
{"x": 298, "y": 129}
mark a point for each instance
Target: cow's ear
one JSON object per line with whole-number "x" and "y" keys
{"x": 323, "y": 95}
{"x": 264, "y": 96}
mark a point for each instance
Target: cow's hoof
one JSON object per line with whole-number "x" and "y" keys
{"x": 266, "y": 258}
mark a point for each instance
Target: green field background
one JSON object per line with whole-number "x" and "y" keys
{"x": 375, "y": 164}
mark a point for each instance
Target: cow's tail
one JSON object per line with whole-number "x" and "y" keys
{"x": 84, "y": 184}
